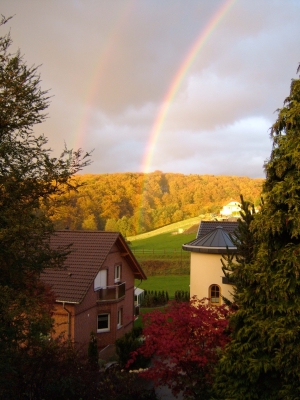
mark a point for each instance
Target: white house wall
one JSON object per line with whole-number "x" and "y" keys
{"x": 206, "y": 270}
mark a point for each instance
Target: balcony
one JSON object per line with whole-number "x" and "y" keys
{"x": 112, "y": 293}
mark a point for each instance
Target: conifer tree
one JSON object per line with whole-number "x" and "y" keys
{"x": 243, "y": 239}
{"x": 29, "y": 177}
{"x": 262, "y": 360}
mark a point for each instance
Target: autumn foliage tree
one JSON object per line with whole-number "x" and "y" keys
{"x": 135, "y": 202}
{"x": 184, "y": 343}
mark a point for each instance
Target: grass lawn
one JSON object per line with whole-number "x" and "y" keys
{"x": 169, "y": 283}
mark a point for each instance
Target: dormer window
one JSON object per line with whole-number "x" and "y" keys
{"x": 118, "y": 273}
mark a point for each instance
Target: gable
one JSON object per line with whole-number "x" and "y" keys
{"x": 89, "y": 251}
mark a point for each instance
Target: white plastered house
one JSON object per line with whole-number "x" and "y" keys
{"x": 231, "y": 209}
{"x": 206, "y": 275}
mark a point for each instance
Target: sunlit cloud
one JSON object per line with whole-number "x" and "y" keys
{"x": 110, "y": 65}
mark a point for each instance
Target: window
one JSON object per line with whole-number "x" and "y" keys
{"x": 214, "y": 294}
{"x": 100, "y": 280}
{"x": 117, "y": 273}
{"x": 103, "y": 323}
{"x": 120, "y": 314}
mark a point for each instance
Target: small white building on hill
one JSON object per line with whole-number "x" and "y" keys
{"x": 231, "y": 209}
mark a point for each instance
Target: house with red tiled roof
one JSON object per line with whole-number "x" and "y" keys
{"x": 206, "y": 275}
{"x": 95, "y": 290}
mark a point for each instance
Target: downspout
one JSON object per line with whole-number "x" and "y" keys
{"x": 69, "y": 320}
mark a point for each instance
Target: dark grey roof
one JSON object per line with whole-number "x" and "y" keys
{"x": 216, "y": 241}
{"x": 207, "y": 226}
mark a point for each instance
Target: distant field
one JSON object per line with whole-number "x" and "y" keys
{"x": 169, "y": 228}
{"x": 169, "y": 283}
{"x": 163, "y": 254}
{"x": 160, "y": 252}
{"x": 161, "y": 243}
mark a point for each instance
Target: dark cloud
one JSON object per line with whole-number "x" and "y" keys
{"x": 109, "y": 65}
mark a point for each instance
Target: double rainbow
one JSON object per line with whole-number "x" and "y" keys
{"x": 194, "y": 50}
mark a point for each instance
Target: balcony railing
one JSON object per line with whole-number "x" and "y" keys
{"x": 111, "y": 293}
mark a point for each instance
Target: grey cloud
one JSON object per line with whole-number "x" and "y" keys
{"x": 109, "y": 65}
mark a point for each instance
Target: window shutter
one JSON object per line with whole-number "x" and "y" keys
{"x": 100, "y": 280}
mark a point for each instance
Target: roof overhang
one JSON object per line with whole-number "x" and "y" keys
{"x": 127, "y": 253}
{"x": 67, "y": 301}
{"x": 209, "y": 250}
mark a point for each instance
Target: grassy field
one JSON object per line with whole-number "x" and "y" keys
{"x": 182, "y": 225}
{"x": 164, "y": 247}
{"x": 167, "y": 283}
{"x": 162, "y": 254}
{"x": 162, "y": 242}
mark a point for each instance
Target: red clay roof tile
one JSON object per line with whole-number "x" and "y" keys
{"x": 88, "y": 252}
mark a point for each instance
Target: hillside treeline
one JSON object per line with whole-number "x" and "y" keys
{"x": 133, "y": 203}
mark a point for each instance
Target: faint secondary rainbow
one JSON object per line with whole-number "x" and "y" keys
{"x": 102, "y": 63}
{"x": 178, "y": 78}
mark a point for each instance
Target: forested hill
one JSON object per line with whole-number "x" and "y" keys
{"x": 133, "y": 203}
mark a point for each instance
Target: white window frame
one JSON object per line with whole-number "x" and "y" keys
{"x": 214, "y": 300}
{"x": 106, "y": 329}
{"x": 120, "y": 318}
{"x": 118, "y": 273}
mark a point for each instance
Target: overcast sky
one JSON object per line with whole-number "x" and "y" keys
{"x": 110, "y": 64}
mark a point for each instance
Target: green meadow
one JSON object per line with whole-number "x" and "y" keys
{"x": 176, "y": 227}
{"x": 167, "y": 242}
{"x": 162, "y": 254}
{"x": 162, "y": 258}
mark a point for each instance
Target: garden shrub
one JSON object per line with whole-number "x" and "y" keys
{"x": 181, "y": 295}
{"x": 155, "y": 298}
{"x": 128, "y": 343}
